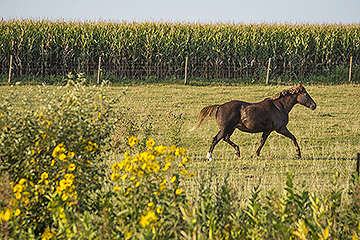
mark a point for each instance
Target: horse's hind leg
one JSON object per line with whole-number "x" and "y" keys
{"x": 221, "y": 134}
{"x": 262, "y": 141}
{"x": 236, "y": 147}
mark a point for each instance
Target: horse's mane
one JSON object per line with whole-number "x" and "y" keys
{"x": 287, "y": 92}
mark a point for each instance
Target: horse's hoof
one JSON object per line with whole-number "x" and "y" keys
{"x": 209, "y": 156}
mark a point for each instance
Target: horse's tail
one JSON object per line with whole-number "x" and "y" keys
{"x": 206, "y": 112}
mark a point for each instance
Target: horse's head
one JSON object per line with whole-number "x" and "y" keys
{"x": 304, "y": 98}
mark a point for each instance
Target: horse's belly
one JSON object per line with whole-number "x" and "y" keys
{"x": 250, "y": 129}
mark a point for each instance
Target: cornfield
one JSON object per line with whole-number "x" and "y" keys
{"x": 139, "y": 50}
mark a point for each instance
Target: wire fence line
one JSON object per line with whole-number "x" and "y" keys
{"x": 190, "y": 68}
{"x": 304, "y": 166}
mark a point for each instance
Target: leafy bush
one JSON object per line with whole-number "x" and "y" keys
{"x": 51, "y": 153}
{"x": 147, "y": 191}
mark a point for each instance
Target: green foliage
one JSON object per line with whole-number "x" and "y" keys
{"x": 147, "y": 192}
{"x": 51, "y": 153}
{"x": 157, "y": 50}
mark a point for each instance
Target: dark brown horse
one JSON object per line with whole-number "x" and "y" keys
{"x": 271, "y": 114}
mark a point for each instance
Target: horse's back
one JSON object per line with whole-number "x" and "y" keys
{"x": 262, "y": 116}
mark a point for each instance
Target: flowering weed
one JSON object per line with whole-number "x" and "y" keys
{"x": 148, "y": 189}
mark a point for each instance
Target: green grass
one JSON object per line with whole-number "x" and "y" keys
{"x": 329, "y": 137}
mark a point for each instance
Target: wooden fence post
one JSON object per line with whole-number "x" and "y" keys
{"x": 350, "y": 68}
{"x": 186, "y": 62}
{"x": 358, "y": 164}
{"x": 11, "y": 57}
{"x": 99, "y": 70}
{"x": 268, "y": 72}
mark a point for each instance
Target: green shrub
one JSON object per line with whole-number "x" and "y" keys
{"x": 50, "y": 150}
{"x": 147, "y": 192}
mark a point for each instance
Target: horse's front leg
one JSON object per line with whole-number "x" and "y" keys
{"x": 284, "y": 131}
{"x": 262, "y": 141}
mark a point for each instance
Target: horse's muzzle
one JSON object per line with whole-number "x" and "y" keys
{"x": 313, "y": 106}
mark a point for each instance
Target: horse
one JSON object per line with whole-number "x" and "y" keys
{"x": 271, "y": 114}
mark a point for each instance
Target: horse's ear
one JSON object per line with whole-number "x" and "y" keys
{"x": 300, "y": 86}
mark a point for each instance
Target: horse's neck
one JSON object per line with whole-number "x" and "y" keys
{"x": 287, "y": 102}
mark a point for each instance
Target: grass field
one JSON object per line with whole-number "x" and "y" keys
{"x": 329, "y": 137}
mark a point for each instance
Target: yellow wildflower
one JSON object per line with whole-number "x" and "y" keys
{"x": 185, "y": 160}
{"x": 64, "y": 197}
{"x": 124, "y": 177}
{"x": 191, "y": 174}
{"x": 22, "y": 181}
{"x": 156, "y": 168}
{"x": 18, "y": 188}
{"x": 173, "y": 179}
{"x": 159, "y": 150}
{"x": 151, "y": 205}
{"x": 69, "y": 176}
{"x": 62, "y": 156}
{"x": 17, "y": 195}
{"x": 127, "y": 191}
{"x": 150, "y": 143}
{"x": 160, "y": 210}
{"x": 162, "y": 187}
{"x": 25, "y": 200}
{"x": 115, "y": 167}
{"x": 58, "y": 149}
{"x": 17, "y": 212}
{"x": 146, "y": 220}
{"x": 115, "y": 176}
{"x": 166, "y": 167}
{"x": 47, "y": 234}
{"x": 71, "y": 154}
{"x": 128, "y": 235}
{"x": 184, "y": 172}
{"x": 180, "y": 151}
{"x": 172, "y": 149}
{"x": 5, "y": 215}
{"x": 178, "y": 191}
{"x": 133, "y": 141}
{"x": 117, "y": 188}
{"x": 94, "y": 145}
{"x": 72, "y": 167}
{"x": 140, "y": 173}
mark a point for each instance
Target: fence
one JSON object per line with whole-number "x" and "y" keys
{"x": 190, "y": 69}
